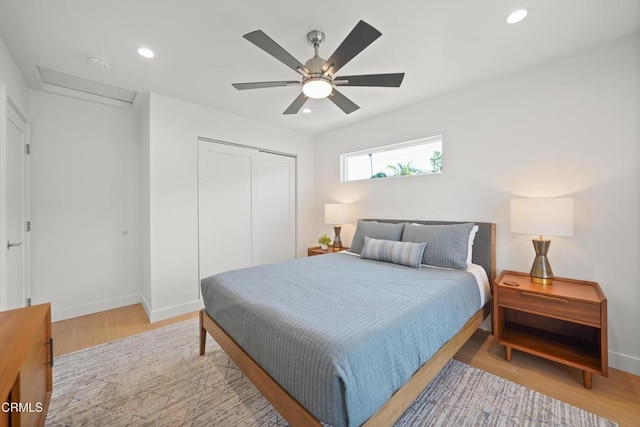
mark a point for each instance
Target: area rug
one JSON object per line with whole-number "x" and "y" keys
{"x": 157, "y": 378}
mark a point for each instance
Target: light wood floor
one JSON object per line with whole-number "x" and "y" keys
{"x": 616, "y": 398}
{"x": 93, "y": 329}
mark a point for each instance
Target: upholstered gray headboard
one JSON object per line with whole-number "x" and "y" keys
{"x": 484, "y": 245}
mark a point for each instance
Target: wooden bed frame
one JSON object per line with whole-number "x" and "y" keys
{"x": 296, "y": 415}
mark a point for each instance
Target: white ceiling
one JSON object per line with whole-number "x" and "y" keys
{"x": 441, "y": 45}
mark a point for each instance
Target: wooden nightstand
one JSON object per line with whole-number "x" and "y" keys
{"x": 565, "y": 322}
{"x": 315, "y": 250}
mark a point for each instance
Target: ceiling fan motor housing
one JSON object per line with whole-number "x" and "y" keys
{"x": 314, "y": 65}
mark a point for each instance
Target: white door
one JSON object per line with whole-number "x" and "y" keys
{"x": 16, "y": 244}
{"x": 246, "y": 207}
{"x": 224, "y": 198}
{"x": 274, "y": 208}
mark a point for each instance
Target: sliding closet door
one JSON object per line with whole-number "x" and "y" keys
{"x": 274, "y": 208}
{"x": 224, "y": 194}
{"x": 247, "y": 207}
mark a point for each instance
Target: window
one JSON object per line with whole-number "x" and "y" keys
{"x": 418, "y": 157}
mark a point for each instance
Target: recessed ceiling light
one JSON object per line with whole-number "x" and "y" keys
{"x": 306, "y": 110}
{"x": 146, "y": 52}
{"x": 516, "y": 16}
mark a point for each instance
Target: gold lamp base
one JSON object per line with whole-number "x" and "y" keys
{"x": 541, "y": 270}
{"x": 337, "y": 242}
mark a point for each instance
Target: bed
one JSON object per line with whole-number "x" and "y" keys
{"x": 343, "y": 340}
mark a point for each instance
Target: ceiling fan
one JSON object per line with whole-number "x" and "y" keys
{"x": 319, "y": 78}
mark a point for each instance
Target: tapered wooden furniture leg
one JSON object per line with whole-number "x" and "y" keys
{"x": 587, "y": 379}
{"x": 203, "y": 334}
{"x": 507, "y": 353}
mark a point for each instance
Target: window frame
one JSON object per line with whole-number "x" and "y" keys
{"x": 344, "y": 157}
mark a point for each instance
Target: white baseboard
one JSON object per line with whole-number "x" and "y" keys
{"x": 173, "y": 311}
{"x": 94, "y": 307}
{"x": 146, "y": 307}
{"x": 152, "y": 315}
{"x": 624, "y": 362}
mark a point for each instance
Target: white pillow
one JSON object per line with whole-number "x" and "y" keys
{"x": 472, "y": 236}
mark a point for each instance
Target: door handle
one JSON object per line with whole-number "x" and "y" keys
{"x": 13, "y": 245}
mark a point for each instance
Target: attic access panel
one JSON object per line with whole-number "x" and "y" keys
{"x": 79, "y": 84}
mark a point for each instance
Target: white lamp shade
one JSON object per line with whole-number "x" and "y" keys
{"x": 337, "y": 213}
{"x": 542, "y": 216}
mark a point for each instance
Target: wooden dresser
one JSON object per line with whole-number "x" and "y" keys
{"x": 26, "y": 358}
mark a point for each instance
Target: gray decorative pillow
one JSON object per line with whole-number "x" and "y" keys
{"x": 375, "y": 230}
{"x": 403, "y": 253}
{"x": 448, "y": 244}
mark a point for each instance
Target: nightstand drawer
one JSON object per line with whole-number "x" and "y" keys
{"x": 549, "y": 305}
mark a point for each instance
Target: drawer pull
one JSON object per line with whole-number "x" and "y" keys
{"x": 544, "y": 297}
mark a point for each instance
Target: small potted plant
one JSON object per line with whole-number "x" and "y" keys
{"x": 324, "y": 241}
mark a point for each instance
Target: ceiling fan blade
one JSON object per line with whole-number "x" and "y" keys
{"x": 344, "y": 103}
{"x": 378, "y": 80}
{"x": 358, "y": 39}
{"x": 297, "y": 104}
{"x": 260, "y": 85}
{"x": 267, "y": 44}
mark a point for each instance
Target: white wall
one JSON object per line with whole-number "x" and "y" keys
{"x": 145, "y": 138}
{"x": 13, "y": 89}
{"x": 17, "y": 89}
{"x": 173, "y": 223}
{"x": 86, "y": 189}
{"x": 570, "y": 127}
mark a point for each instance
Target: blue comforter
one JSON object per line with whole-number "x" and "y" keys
{"x": 341, "y": 334}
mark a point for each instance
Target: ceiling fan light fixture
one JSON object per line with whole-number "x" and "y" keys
{"x": 317, "y": 87}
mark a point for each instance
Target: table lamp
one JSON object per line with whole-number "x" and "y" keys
{"x": 543, "y": 217}
{"x": 337, "y": 214}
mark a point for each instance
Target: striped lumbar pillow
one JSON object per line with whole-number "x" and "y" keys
{"x": 403, "y": 253}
